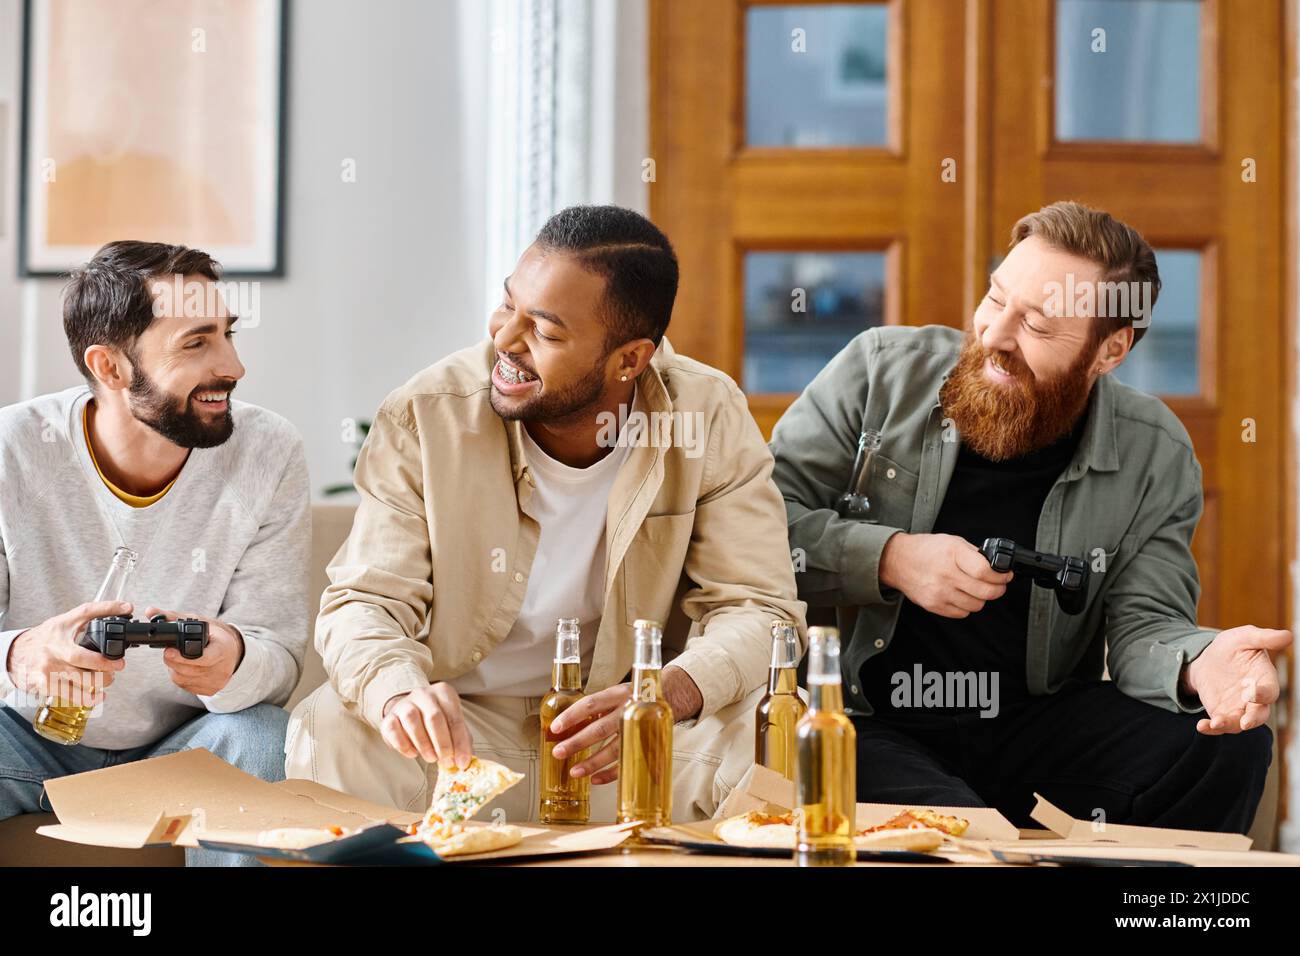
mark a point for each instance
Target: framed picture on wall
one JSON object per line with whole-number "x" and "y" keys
{"x": 155, "y": 121}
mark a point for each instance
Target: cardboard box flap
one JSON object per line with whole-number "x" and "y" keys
{"x": 112, "y": 833}
{"x": 759, "y": 789}
{"x": 593, "y": 838}
{"x": 767, "y": 791}
{"x": 1085, "y": 831}
{"x": 133, "y": 804}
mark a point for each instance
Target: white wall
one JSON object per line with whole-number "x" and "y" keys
{"x": 380, "y": 273}
{"x": 10, "y": 322}
{"x": 384, "y": 275}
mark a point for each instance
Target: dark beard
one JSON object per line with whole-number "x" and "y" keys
{"x": 560, "y": 407}
{"x": 1004, "y": 422}
{"x": 180, "y": 426}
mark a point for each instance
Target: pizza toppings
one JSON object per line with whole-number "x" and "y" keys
{"x": 460, "y": 793}
{"x": 457, "y": 796}
{"x": 755, "y": 818}
{"x": 921, "y": 820}
{"x": 915, "y": 830}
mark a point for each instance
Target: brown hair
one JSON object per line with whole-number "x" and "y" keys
{"x": 1120, "y": 250}
{"x": 109, "y": 300}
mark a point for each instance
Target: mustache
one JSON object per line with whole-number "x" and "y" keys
{"x": 221, "y": 386}
{"x": 1010, "y": 361}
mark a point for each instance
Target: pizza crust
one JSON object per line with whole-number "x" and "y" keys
{"x": 468, "y": 840}
{"x": 917, "y": 840}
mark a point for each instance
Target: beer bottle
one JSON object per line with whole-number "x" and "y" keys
{"x": 563, "y": 799}
{"x": 781, "y": 707}
{"x": 64, "y": 721}
{"x": 645, "y": 760}
{"x": 826, "y": 791}
{"x": 854, "y": 503}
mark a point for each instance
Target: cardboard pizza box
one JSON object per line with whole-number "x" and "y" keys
{"x": 770, "y": 792}
{"x": 1099, "y": 832}
{"x": 1066, "y": 840}
{"x": 193, "y": 798}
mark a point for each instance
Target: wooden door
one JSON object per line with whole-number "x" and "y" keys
{"x": 726, "y": 202}
{"x": 1208, "y": 197}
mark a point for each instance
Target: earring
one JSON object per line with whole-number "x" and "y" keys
{"x": 622, "y": 378}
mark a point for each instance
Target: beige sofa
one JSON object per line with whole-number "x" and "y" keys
{"x": 20, "y": 845}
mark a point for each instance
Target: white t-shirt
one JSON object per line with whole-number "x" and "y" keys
{"x": 567, "y": 578}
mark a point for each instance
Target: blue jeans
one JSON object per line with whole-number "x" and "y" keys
{"x": 251, "y": 739}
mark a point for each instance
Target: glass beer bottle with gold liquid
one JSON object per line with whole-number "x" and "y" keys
{"x": 826, "y": 786}
{"x": 781, "y": 707}
{"x": 563, "y": 799}
{"x": 64, "y": 721}
{"x": 645, "y": 759}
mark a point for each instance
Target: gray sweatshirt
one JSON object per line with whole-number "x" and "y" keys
{"x": 229, "y": 541}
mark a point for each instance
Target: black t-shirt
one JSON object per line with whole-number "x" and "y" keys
{"x": 985, "y": 499}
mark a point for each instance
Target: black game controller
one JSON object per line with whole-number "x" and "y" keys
{"x": 111, "y": 636}
{"x": 1065, "y": 575}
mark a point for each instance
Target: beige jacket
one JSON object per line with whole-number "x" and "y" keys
{"x": 432, "y": 576}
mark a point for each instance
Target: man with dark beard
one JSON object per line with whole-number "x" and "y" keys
{"x": 970, "y": 687}
{"x": 499, "y": 494}
{"x": 152, "y": 455}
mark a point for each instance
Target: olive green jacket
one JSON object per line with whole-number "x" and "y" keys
{"x": 1127, "y": 503}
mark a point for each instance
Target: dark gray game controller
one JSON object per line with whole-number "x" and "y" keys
{"x": 111, "y": 636}
{"x": 1065, "y": 575}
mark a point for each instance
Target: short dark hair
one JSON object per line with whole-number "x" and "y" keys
{"x": 636, "y": 259}
{"x": 109, "y": 301}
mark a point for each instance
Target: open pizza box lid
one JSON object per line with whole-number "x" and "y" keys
{"x": 194, "y": 797}
{"x": 1076, "y": 831}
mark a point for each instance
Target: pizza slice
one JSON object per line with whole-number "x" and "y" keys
{"x": 461, "y": 793}
{"x": 918, "y": 820}
{"x": 459, "y": 839}
{"x": 757, "y": 829}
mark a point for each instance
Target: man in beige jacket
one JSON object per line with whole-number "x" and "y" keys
{"x": 574, "y": 466}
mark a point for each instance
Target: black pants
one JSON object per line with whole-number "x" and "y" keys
{"x": 1087, "y": 748}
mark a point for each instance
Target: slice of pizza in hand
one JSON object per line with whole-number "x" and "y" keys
{"x": 461, "y": 793}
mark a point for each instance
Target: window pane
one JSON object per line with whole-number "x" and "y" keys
{"x": 1128, "y": 70}
{"x": 801, "y": 308}
{"x": 1165, "y": 361}
{"x": 815, "y": 75}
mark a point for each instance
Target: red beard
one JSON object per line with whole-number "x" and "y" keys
{"x": 999, "y": 422}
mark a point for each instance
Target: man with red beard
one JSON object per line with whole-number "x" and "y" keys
{"x": 969, "y": 687}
